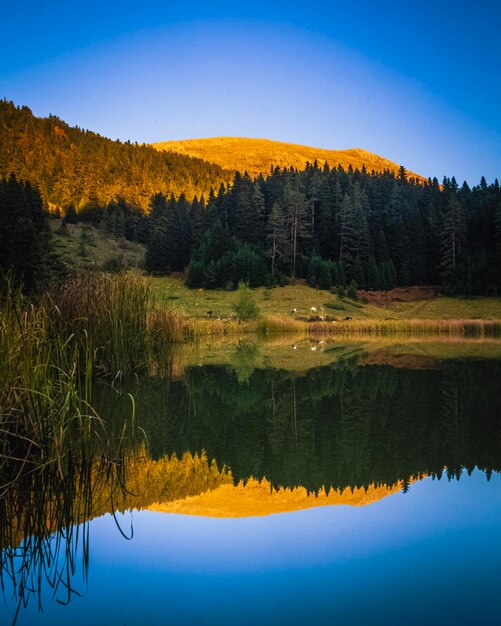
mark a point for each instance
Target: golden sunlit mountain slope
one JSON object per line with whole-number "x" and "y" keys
{"x": 256, "y": 156}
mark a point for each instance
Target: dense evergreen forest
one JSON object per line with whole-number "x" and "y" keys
{"x": 332, "y": 226}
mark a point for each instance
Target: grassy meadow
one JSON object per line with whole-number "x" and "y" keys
{"x": 436, "y": 315}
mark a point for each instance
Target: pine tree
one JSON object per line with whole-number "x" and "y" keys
{"x": 25, "y": 236}
{"x": 453, "y": 234}
{"x": 276, "y": 236}
{"x": 354, "y": 238}
{"x": 295, "y": 205}
{"x": 373, "y": 278}
{"x": 498, "y": 225}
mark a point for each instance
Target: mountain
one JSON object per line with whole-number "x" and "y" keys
{"x": 73, "y": 166}
{"x": 256, "y": 156}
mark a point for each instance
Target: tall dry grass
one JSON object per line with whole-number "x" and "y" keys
{"x": 452, "y": 327}
{"x": 173, "y": 327}
{"x": 280, "y": 324}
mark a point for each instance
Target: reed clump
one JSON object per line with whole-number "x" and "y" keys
{"x": 280, "y": 324}
{"x": 50, "y": 354}
{"x": 106, "y": 313}
{"x": 166, "y": 325}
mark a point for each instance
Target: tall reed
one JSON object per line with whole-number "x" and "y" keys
{"x": 106, "y": 313}
{"x": 50, "y": 354}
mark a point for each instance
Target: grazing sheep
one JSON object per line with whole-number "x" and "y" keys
{"x": 293, "y": 311}
{"x": 313, "y": 309}
{"x": 348, "y": 319}
{"x": 209, "y": 314}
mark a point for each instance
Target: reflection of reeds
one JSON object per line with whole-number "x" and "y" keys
{"x": 44, "y": 519}
{"x": 44, "y": 528}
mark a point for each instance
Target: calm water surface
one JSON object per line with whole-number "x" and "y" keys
{"x": 368, "y": 492}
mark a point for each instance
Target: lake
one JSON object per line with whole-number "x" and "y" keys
{"x": 291, "y": 481}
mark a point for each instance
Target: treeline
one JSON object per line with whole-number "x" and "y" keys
{"x": 334, "y": 227}
{"x": 79, "y": 168}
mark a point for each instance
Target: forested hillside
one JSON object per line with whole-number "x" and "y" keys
{"x": 334, "y": 227}
{"x": 71, "y": 166}
{"x": 337, "y": 226}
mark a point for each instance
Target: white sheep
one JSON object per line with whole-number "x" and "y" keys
{"x": 313, "y": 309}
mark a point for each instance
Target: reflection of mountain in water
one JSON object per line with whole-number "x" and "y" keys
{"x": 259, "y": 498}
{"x": 334, "y": 427}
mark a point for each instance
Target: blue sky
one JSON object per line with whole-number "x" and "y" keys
{"x": 418, "y": 83}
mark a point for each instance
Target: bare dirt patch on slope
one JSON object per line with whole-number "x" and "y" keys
{"x": 417, "y": 293}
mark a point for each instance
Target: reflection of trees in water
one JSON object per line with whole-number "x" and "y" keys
{"x": 244, "y": 360}
{"x": 452, "y": 419}
{"x": 337, "y": 426}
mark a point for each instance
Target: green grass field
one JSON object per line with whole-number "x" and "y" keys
{"x": 170, "y": 291}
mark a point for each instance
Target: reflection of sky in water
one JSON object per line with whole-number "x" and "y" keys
{"x": 430, "y": 556}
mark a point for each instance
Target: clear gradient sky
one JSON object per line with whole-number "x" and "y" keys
{"x": 417, "y": 82}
